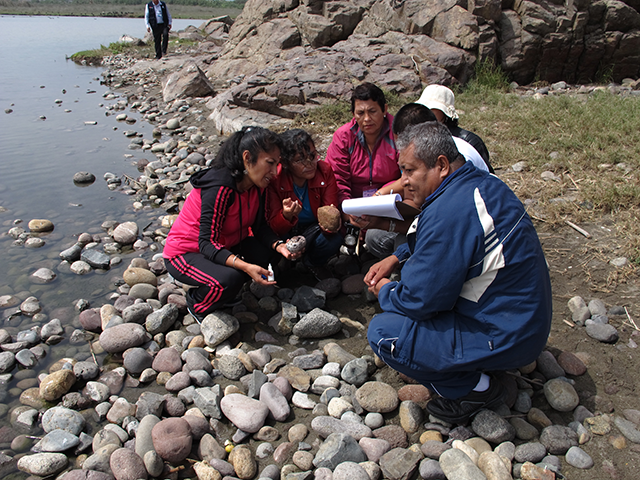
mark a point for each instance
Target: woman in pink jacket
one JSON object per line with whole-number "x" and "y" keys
{"x": 363, "y": 152}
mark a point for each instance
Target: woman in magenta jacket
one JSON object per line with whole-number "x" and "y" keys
{"x": 363, "y": 153}
{"x": 303, "y": 185}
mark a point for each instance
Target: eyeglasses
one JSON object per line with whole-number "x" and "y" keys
{"x": 310, "y": 160}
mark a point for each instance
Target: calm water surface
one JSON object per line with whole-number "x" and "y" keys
{"x": 38, "y": 159}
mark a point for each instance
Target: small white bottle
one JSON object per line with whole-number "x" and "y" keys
{"x": 271, "y": 276}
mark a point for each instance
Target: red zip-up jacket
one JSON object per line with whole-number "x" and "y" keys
{"x": 216, "y": 217}
{"x": 323, "y": 190}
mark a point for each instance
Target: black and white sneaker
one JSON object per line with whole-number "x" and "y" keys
{"x": 198, "y": 317}
{"x": 459, "y": 411}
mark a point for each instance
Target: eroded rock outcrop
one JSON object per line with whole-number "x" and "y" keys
{"x": 281, "y": 57}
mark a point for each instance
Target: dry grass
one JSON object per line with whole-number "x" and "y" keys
{"x": 591, "y": 142}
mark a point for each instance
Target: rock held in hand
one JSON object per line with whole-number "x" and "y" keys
{"x": 296, "y": 244}
{"x": 329, "y": 218}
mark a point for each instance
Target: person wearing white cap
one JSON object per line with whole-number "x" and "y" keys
{"x": 441, "y": 101}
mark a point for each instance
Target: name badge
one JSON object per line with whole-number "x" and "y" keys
{"x": 370, "y": 192}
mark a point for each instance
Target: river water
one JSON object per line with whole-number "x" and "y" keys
{"x": 43, "y": 143}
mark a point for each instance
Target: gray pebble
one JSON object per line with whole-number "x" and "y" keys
{"x": 628, "y": 429}
{"x": 561, "y": 395}
{"x": 529, "y": 452}
{"x": 63, "y": 418}
{"x": 231, "y": 367}
{"x": 456, "y": 465}
{"x": 578, "y": 458}
{"x": 597, "y": 307}
{"x": 355, "y": 372}
{"x": 492, "y": 427}
{"x": 374, "y": 420}
{"x": 602, "y": 332}
{"x": 26, "y": 358}
{"x": 558, "y": 439}
{"x": 56, "y": 441}
{"x": 523, "y": 402}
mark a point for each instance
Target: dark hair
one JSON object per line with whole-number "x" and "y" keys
{"x": 368, "y": 91}
{"x": 429, "y": 140}
{"x": 411, "y": 114}
{"x": 252, "y": 139}
{"x": 295, "y": 141}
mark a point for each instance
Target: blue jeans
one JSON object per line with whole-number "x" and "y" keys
{"x": 381, "y": 243}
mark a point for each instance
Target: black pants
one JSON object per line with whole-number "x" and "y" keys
{"x": 217, "y": 284}
{"x": 160, "y": 39}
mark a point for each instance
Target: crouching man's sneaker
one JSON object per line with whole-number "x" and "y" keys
{"x": 459, "y": 411}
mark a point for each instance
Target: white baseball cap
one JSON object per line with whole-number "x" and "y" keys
{"x": 441, "y": 98}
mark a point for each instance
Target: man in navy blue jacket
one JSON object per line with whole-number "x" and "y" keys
{"x": 475, "y": 293}
{"x": 158, "y": 19}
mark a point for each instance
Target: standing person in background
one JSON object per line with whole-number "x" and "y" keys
{"x": 158, "y": 19}
{"x": 302, "y": 186}
{"x": 441, "y": 101}
{"x": 210, "y": 245}
{"x": 363, "y": 153}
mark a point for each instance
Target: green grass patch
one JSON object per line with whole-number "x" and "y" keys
{"x": 94, "y": 57}
{"x": 595, "y": 142}
{"x": 488, "y": 78}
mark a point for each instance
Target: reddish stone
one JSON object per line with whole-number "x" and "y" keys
{"x": 172, "y": 439}
{"x": 90, "y": 320}
{"x": 283, "y": 452}
{"x": 167, "y": 360}
{"x": 571, "y": 364}
{"x": 415, "y": 393}
{"x": 394, "y": 434}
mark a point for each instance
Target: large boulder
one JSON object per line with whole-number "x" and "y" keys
{"x": 190, "y": 81}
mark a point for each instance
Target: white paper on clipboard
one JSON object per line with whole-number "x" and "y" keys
{"x": 377, "y": 205}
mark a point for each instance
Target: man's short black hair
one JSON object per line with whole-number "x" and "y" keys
{"x": 411, "y": 114}
{"x": 368, "y": 91}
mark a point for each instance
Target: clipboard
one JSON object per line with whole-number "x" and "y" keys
{"x": 389, "y": 206}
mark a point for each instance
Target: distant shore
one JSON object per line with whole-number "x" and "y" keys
{"x": 111, "y": 10}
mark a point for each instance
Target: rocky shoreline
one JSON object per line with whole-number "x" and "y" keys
{"x": 281, "y": 386}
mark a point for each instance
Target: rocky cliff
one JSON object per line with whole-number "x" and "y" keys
{"x": 282, "y": 56}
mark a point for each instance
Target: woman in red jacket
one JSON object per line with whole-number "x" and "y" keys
{"x": 293, "y": 198}
{"x": 221, "y": 238}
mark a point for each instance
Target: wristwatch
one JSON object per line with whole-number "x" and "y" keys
{"x": 392, "y": 226}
